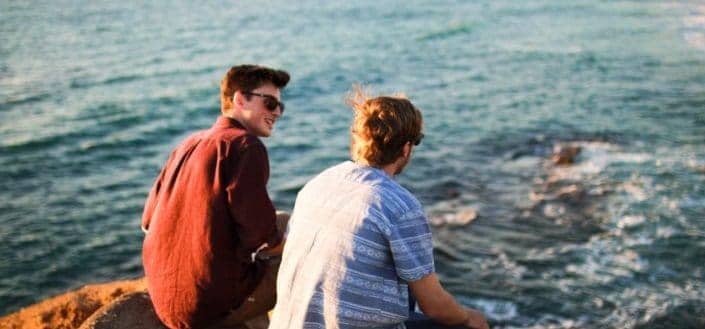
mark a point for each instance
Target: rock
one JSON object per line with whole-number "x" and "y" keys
{"x": 570, "y": 192}
{"x": 71, "y": 309}
{"x": 437, "y": 220}
{"x": 114, "y": 305}
{"x": 131, "y": 311}
{"x": 536, "y": 197}
{"x": 564, "y": 154}
{"x": 466, "y": 216}
{"x": 699, "y": 168}
{"x": 461, "y": 218}
{"x": 135, "y": 311}
{"x": 452, "y": 193}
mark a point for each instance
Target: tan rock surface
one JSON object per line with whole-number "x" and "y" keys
{"x": 131, "y": 311}
{"x": 71, "y": 309}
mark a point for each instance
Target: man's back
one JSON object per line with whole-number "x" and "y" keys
{"x": 355, "y": 238}
{"x": 196, "y": 252}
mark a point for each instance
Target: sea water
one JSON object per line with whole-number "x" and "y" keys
{"x": 94, "y": 96}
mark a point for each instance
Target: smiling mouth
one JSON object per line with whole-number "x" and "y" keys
{"x": 270, "y": 122}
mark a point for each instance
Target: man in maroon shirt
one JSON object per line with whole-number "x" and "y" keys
{"x": 209, "y": 213}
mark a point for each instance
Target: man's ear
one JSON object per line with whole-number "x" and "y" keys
{"x": 238, "y": 99}
{"x": 407, "y": 150}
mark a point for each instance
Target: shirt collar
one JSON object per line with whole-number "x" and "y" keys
{"x": 379, "y": 171}
{"x": 227, "y": 122}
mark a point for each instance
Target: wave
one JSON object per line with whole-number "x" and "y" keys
{"x": 595, "y": 157}
{"x": 451, "y": 31}
{"x": 81, "y": 82}
{"x": 88, "y": 82}
{"x": 25, "y": 99}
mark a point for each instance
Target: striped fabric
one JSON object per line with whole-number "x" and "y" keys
{"x": 355, "y": 238}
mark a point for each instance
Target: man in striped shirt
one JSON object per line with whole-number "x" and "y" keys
{"x": 358, "y": 240}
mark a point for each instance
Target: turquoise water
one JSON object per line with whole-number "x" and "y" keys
{"x": 93, "y": 96}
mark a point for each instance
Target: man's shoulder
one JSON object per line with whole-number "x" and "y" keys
{"x": 377, "y": 184}
{"x": 234, "y": 141}
{"x": 223, "y": 143}
{"x": 392, "y": 191}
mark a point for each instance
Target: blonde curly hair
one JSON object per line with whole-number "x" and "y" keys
{"x": 382, "y": 126}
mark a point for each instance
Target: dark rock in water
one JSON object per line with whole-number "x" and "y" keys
{"x": 570, "y": 193}
{"x": 452, "y": 193}
{"x": 564, "y": 154}
{"x": 133, "y": 311}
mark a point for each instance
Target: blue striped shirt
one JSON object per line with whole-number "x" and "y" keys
{"x": 356, "y": 237}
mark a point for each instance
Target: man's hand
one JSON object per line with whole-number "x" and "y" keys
{"x": 275, "y": 251}
{"x": 441, "y": 307}
{"x": 475, "y": 320}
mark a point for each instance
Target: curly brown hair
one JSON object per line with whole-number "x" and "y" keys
{"x": 248, "y": 77}
{"x": 381, "y": 127}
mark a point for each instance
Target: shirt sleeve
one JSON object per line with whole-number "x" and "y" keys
{"x": 411, "y": 245}
{"x": 248, "y": 201}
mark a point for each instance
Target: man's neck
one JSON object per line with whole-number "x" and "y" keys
{"x": 391, "y": 169}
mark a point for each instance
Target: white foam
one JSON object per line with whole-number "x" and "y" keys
{"x": 594, "y": 157}
{"x": 497, "y": 310}
{"x": 554, "y": 322}
{"x": 630, "y": 220}
{"x": 665, "y": 232}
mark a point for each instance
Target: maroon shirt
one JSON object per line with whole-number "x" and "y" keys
{"x": 206, "y": 213}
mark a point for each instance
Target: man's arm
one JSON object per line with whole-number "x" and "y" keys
{"x": 439, "y": 305}
{"x": 282, "y": 222}
{"x": 152, "y": 199}
{"x": 247, "y": 198}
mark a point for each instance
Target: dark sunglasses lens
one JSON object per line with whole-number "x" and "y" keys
{"x": 418, "y": 140}
{"x": 270, "y": 104}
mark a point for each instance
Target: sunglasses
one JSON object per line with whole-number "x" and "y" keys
{"x": 270, "y": 102}
{"x": 418, "y": 140}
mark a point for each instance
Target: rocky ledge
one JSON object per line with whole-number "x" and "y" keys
{"x": 95, "y": 306}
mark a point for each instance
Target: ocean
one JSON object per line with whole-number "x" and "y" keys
{"x": 94, "y": 96}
